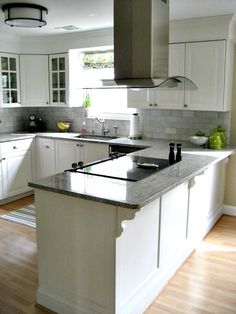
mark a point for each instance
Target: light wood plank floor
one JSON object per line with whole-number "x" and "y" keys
{"x": 205, "y": 284}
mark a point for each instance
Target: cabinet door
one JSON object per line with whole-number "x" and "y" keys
{"x": 206, "y": 198}
{"x": 94, "y": 151}
{"x": 58, "y": 79}
{"x": 205, "y": 66}
{"x": 34, "y": 80}
{"x": 174, "y": 208}
{"x": 172, "y": 98}
{"x": 141, "y": 98}
{"x": 16, "y": 173}
{"x": 45, "y": 157}
{"x": 9, "y": 81}
{"x": 67, "y": 153}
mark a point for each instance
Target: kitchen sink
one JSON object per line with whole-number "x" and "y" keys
{"x": 97, "y": 137}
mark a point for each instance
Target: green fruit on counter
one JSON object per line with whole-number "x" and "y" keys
{"x": 215, "y": 141}
{"x": 221, "y": 130}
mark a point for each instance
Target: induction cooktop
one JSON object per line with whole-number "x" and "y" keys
{"x": 130, "y": 168}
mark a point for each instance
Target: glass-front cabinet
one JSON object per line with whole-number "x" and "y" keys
{"x": 9, "y": 80}
{"x": 58, "y": 79}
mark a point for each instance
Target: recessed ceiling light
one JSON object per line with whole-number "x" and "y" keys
{"x": 68, "y": 28}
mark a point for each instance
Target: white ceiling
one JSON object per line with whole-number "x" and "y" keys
{"x": 98, "y": 14}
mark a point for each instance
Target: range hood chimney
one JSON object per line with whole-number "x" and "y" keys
{"x": 141, "y": 39}
{"x": 141, "y": 45}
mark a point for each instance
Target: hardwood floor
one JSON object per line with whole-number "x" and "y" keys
{"x": 18, "y": 267}
{"x": 205, "y": 284}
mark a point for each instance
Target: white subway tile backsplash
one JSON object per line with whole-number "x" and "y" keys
{"x": 165, "y": 124}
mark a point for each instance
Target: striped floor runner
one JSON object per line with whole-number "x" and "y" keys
{"x": 24, "y": 216}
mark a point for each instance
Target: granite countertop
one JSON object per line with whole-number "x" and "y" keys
{"x": 133, "y": 194}
{"x": 7, "y": 137}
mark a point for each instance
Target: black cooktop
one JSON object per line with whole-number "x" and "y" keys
{"x": 130, "y": 168}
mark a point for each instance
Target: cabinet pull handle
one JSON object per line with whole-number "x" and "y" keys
{"x": 78, "y": 145}
{"x": 81, "y": 145}
{"x": 155, "y": 105}
{"x": 14, "y": 147}
{"x": 46, "y": 146}
{"x": 2, "y": 159}
{"x": 185, "y": 105}
{"x": 150, "y": 105}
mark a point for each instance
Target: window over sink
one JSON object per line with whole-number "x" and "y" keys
{"x": 90, "y": 65}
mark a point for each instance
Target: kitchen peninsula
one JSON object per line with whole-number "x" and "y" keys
{"x": 109, "y": 246}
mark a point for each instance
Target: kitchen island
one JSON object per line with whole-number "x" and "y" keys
{"x": 110, "y": 246}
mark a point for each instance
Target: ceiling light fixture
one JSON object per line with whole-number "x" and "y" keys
{"x": 25, "y": 15}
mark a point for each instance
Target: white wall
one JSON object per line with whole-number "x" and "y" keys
{"x": 62, "y": 43}
{"x": 9, "y": 44}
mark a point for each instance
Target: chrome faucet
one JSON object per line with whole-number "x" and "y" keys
{"x": 105, "y": 130}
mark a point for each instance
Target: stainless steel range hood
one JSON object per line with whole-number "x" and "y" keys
{"x": 141, "y": 41}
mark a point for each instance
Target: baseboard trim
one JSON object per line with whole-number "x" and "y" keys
{"x": 16, "y": 197}
{"x": 229, "y": 210}
{"x": 55, "y": 305}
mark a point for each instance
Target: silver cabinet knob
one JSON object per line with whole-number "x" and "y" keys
{"x": 155, "y": 105}
{"x": 150, "y": 105}
{"x": 14, "y": 147}
{"x": 46, "y": 146}
{"x": 185, "y": 105}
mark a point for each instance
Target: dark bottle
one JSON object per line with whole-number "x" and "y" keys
{"x": 172, "y": 154}
{"x": 178, "y": 154}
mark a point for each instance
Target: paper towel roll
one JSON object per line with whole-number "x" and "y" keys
{"x": 134, "y": 126}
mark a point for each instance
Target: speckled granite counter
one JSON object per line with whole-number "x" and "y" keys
{"x": 7, "y": 137}
{"x": 133, "y": 194}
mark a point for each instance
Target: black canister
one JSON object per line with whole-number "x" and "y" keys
{"x": 179, "y": 153}
{"x": 172, "y": 154}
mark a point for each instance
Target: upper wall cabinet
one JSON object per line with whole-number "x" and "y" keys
{"x": 9, "y": 80}
{"x": 158, "y": 98}
{"x": 208, "y": 65}
{"x": 205, "y": 66}
{"x": 34, "y": 80}
{"x": 58, "y": 79}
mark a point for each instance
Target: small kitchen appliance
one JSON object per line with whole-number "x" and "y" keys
{"x": 32, "y": 127}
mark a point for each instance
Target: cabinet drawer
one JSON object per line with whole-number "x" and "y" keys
{"x": 14, "y": 147}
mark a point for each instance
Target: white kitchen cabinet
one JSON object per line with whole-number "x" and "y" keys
{"x": 9, "y": 80}
{"x": 44, "y": 157}
{"x": 205, "y": 66}
{"x": 174, "y": 209}
{"x": 95, "y": 151}
{"x": 206, "y": 195}
{"x": 68, "y": 152}
{"x": 34, "y": 80}
{"x": 158, "y": 98}
{"x": 16, "y": 167}
{"x": 205, "y": 63}
{"x": 58, "y": 65}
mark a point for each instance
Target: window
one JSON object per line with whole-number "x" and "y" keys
{"x": 92, "y": 65}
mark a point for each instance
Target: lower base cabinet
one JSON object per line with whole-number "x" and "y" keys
{"x": 44, "y": 157}
{"x": 68, "y": 152}
{"x": 16, "y": 165}
{"x": 206, "y": 196}
{"x": 173, "y": 224}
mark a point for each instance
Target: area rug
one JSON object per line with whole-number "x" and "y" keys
{"x": 24, "y": 216}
